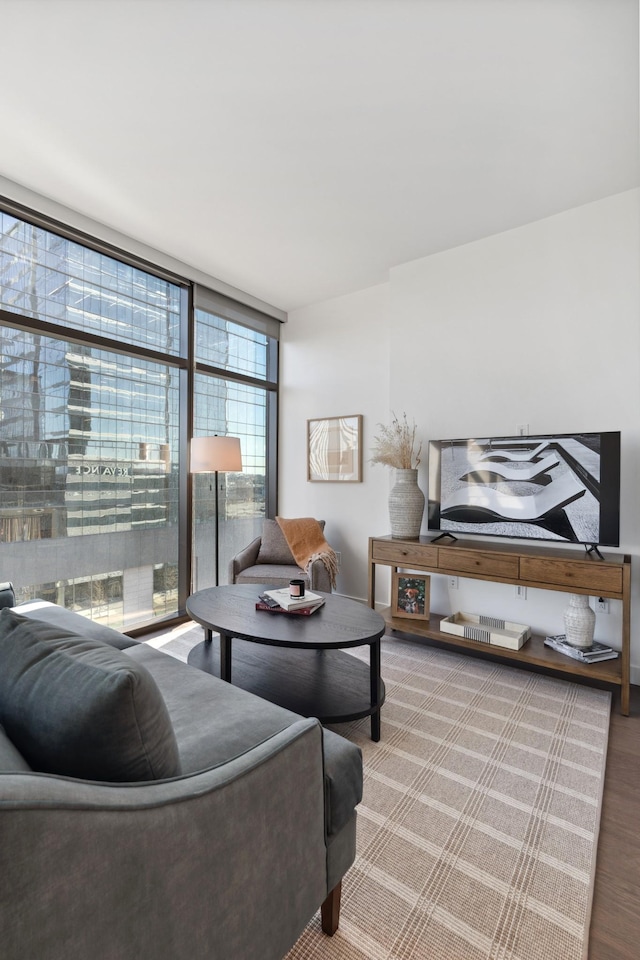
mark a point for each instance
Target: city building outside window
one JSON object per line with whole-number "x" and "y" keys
{"x": 94, "y": 384}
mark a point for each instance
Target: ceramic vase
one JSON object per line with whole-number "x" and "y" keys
{"x": 406, "y": 506}
{"x": 579, "y": 621}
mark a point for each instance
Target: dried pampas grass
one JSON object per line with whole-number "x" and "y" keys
{"x": 394, "y": 445}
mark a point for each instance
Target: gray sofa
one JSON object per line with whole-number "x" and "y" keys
{"x": 268, "y": 559}
{"x": 151, "y": 811}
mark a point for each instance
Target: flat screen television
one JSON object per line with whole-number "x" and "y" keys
{"x": 563, "y": 487}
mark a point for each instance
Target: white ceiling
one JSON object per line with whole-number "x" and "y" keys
{"x": 299, "y": 149}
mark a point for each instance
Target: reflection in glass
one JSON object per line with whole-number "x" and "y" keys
{"x": 228, "y": 409}
{"x": 48, "y": 277}
{"x": 88, "y": 457}
{"x": 229, "y": 346}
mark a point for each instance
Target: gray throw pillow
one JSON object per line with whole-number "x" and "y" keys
{"x": 274, "y": 548}
{"x": 80, "y": 708}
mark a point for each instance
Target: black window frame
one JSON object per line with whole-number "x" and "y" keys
{"x": 195, "y": 295}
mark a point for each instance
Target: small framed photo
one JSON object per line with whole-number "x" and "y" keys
{"x": 334, "y": 449}
{"x": 410, "y": 596}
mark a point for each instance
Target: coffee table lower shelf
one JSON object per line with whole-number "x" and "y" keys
{"x": 533, "y": 651}
{"x": 328, "y": 684}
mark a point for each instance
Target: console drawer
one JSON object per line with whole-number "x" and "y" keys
{"x": 403, "y": 554}
{"x": 474, "y": 562}
{"x": 599, "y": 578}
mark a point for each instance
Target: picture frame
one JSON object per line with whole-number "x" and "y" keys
{"x": 410, "y": 596}
{"x": 334, "y": 449}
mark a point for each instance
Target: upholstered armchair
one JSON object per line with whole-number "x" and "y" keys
{"x": 268, "y": 559}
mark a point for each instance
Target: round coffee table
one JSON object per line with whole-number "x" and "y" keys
{"x": 295, "y": 661}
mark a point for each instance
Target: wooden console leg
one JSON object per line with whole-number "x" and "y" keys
{"x": 330, "y": 911}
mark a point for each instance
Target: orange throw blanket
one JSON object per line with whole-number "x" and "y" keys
{"x": 307, "y": 543}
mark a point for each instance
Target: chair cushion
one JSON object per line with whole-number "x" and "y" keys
{"x": 273, "y": 574}
{"x": 78, "y": 707}
{"x": 273, "y": 547}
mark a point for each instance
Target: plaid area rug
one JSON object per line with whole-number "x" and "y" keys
{"x": 477, "y": 834}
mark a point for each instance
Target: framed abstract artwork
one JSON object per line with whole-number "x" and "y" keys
{"x": 334, "y": 449}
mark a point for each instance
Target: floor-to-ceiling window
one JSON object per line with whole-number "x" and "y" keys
{"x": 98, "y": 398}
{"x": 234, "y": 395}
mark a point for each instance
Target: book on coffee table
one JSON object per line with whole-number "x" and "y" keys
{"x": 289, "y": 603}
{"x": 299, "y": 611}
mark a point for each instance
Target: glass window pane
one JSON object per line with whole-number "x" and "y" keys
{"x": 89, "y": 459}
{"x": 89, "y": 438}
{"x": 236, "y": 410}
{"x": 230, "y": 346}
{"x": 99, "y": 597}
{"x": 47, "y": 277}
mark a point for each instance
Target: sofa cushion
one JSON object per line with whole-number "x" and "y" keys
{"x": 273, "y": 547}
{"x": 10, "y": 760}
{"x": 77, "y": 707}
{"x": 231, "y": 721}
{"x": 214, "y": 721}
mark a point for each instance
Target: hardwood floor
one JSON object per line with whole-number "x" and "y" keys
{"x": 615, "y": 920}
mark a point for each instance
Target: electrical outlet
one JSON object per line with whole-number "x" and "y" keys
{"x": 521, "y": 592}
{"x": 602, "y": 605}
{"x": 339, "y": 557}
{"x": 453, "y": 583}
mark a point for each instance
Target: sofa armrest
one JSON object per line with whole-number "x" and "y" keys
{"x": 229, "y": 862}
{"x": 7, "y": 594}
{"x": 319, "y": 578}
{"x": 246, "y": 558}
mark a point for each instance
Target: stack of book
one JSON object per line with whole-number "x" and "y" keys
{"x": 593, "y": 654}
{"x": 279, "y": 601}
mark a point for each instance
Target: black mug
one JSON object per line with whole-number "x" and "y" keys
{"x": 296, "y": 589}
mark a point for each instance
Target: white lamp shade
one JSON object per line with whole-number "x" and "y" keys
{"x": 209, "y": 454}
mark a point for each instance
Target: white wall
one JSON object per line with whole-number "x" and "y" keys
{"x": 539, "y": 325}
{"x": 335, "y": 362}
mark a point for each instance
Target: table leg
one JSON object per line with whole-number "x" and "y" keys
{"x": 225, "y": 657}
{"x": 374, "y": 680}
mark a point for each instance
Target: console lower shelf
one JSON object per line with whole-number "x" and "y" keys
{"x": 532, "y": 652}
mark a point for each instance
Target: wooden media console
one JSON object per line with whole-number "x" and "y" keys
{"x": 551, "y": 569}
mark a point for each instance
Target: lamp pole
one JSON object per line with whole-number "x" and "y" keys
{"x": 216, "y": 455}
{"x": 217, "y": 538}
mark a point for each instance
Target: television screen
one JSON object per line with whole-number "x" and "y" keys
{"x": 563, "y": 487}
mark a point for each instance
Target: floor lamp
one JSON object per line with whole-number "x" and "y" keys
{"x": 216, "y": 455}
